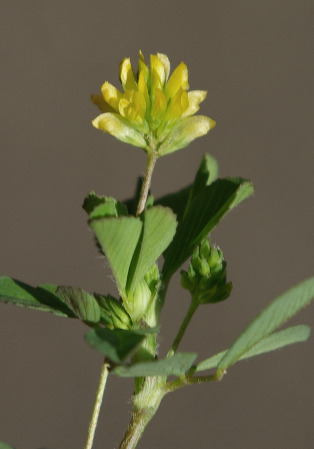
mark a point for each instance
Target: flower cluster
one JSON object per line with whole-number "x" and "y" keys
{"x": 155, "y": 112}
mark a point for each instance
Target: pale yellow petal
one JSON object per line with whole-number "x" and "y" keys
{"x": 111, "y": 95}
{"x": 179, "y": 78}
{"x": 142, "y": 87}
{"x": 118, "y": 127}
{"x": 142, "y": 68}
{"x": 164, "y": 59}
{"x": 185, "y": 132}
{"x": 179, "y": 103}
{"x": 158, "y": 72}
{"x": 195, "y": 97}
{"x": 127, "y": 75}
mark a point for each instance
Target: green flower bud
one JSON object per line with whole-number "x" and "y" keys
{"x": 214, "y": 257}
{"x": 113, "y": 312}
{"x": 205, "y": 249}
{"x": 204, "y": 269}
{"x": 136, "y": 304}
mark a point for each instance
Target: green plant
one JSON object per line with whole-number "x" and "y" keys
{"x": 156, "y": 112}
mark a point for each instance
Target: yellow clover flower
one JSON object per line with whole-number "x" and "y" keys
{"x": 154, "y": 112}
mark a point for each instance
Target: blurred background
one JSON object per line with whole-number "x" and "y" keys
{"x": 256, "y": 61}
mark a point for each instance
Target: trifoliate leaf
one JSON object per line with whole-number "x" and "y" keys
{"x": 277, "y": 313}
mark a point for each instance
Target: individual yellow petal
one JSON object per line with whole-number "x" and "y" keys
{"x": 158, "y": 72}
{"x": 118, "y": 127}
{"x": 99, "y": 101}
{"x": 126, "y": 75}
{"x": 179, "y": 103}
{"x": 159, "y": 105}
{"x": 142, "y": 67}
{"x": 142, "y": 87}
{"x": 111, "y": 95}
{"x": 179, "y": 78}
{"x": 185, "y": 132}
{"x": 195, "y": 97}
{"x": 164, "y": 59}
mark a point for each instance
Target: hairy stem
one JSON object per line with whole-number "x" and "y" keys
{"x": 99, "y": 397}
{"x": 146, "y": 403}
{"x": 151, "y": 161}
{"x": 137, "y": 425}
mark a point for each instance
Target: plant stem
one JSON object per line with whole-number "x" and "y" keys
{"x": 99, "y": 397}
{"x": 151, "y": 161}
{"x": 137, "y": 425}
{"x": 184, "y": 325}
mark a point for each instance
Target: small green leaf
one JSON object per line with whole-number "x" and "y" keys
{"x": 206, "y": 174}
{"x": 116, "y": 344}
{"x": 43, "y": 297}
{"x": 204, "y": 213}
{"x": 118, "y": 238}
{"x": 176, "y": 365}
{"x": 180, "y": 201}
{"x": 277, "y": 340}
{"x": 83, "y": 304}
{"x": 158, "y": 231}
{"x": 103, "y": 206}
{"x": 277, "y": 313}
{"x": 4, "y": 445}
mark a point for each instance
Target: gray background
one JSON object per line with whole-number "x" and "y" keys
{"x": 255, "y": 58}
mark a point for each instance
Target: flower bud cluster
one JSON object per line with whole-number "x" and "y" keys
{"x": 206, "y": 278}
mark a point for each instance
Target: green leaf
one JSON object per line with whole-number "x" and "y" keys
{"x": 4, "y": 445}
{"x": 116, "y": 344}
{"x": 103, "y": 206}
{"x": 204, "y": 213}
{"x": 206, "y": 174}
{"x": 132, "y": 245}
{"x": 277, "y": 340}
{"x": 180, "y": 201}
{"x": 158, "y": 231}
{"x": 118, "y": 238}
{"x": 83, "y": 304}
{"x": 43, "y": 297}
{"x": 277, "y": 313}
{"x": 176, "y": 365}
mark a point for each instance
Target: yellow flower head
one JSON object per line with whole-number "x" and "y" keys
{"x": 155, "y": 112}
